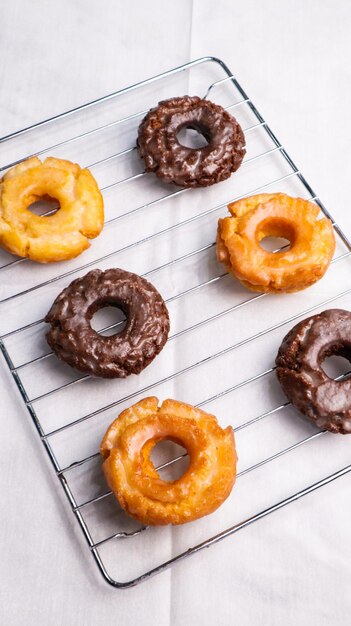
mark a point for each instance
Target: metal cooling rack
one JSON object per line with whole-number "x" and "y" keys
{"x": 168, "y": 235}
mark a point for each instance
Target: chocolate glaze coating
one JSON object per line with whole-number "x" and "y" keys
{"x": 190, "y": 167}
{"x": 73, "y": 339}
{"x": 325, "y": 401}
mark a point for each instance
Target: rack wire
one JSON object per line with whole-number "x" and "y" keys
{"x": 166, "y": 234}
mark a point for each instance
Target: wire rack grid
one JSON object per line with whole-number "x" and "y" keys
{"x": 220, "y": 353}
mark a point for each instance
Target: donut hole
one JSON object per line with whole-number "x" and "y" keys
{"x": 44, "y": 207}
{"x": 337, "y": 366}
{"x": 165, "y": 456}
{"x": 275, "y": 235}
{"x": 193, "y": 137}
{"x": 108, "y": 320}
{"x": 275, "y": 244}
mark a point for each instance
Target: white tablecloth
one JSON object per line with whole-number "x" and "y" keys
{"x": 293, "y": 59}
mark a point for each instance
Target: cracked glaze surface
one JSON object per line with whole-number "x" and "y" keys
{"x": 133, "y": 478}
{"x": 312, "y": 242}
{"x": 158, "y": 144}
{"x": 299, "y": 369}
{"x": 73, "y": 339}
{"x": 62, "y": 235}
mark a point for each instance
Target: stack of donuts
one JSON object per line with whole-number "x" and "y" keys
{"x": 66, "y": 233}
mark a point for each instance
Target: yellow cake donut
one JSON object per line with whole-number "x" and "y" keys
{"x": 312, "y": 242}
{"x": 132, "y": 476}
{"x": 62, "y": 235}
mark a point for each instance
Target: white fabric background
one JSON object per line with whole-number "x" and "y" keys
{"x": 293, "y": 58}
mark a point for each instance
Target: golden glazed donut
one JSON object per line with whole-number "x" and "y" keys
{"x": 56, "y": 237}
{"x": 312, "y": 243}
{"x": 132, "y": 476}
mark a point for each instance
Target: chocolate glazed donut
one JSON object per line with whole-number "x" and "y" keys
{"x": 159, "y": 146}
{"x": 325, "y": 401}
{"x": 74, "y": 341}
